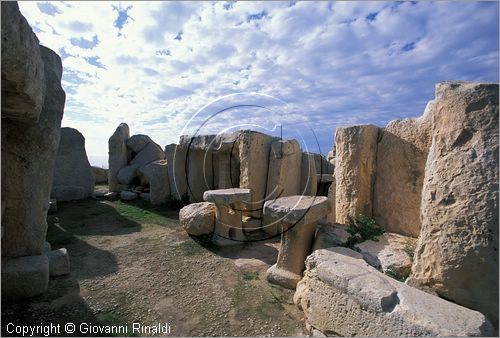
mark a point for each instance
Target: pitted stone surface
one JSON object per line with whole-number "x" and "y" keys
{"x": 227, "y": 196}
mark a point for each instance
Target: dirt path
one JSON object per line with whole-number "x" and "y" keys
{"x": 131, "y": 262}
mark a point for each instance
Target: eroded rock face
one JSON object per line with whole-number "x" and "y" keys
{"x": 118, "y": 155}
{"x": 198, "y": 218}
{"x": 457, "y": 251}
{"x": 150, "y": 153}
{"x": 401, "y": 157}
{"x": 28, "y": 157}
{"x": 341, "y": 294}
{"x": 137, "y": 142}
{"x": 23, "y": 81}
{"x": 356, "y": 154}
{"x": 100, "y": 175}
{"x": 73, "y": 177}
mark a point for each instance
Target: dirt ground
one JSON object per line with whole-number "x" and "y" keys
{"x": 133, "y": 263}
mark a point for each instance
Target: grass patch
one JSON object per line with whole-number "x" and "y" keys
{"x": 250, "y": 275}
{"x": 143, "y": 213}
{"x": 363, "y": 229}
{"x": 110, "y": 318}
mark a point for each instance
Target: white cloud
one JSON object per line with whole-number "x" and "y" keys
{"x": 334, "y": 63}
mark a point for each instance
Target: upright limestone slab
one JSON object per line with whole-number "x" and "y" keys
{"x": 73, "y": 177}
{"x": 118, "y": 155}
{"x": 23, "y": 82}
{"x": 176, "y": 162}
{"x": 457, "y": 251}
{"x": 308, "y": 179}
{"x": 356, "y": 155}
{"x": 156, "y": 174}
{"x": 401, "y": 156}
{"x": 254, "y": 149}
{"x": 28, "y": 156}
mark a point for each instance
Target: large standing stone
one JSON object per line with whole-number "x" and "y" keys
{"x": 342, "y": 295}
{"x": 23, "y": 82}
{"x": 308, "y": 179}
{"x": 156, "y": 174}
{"x": 401, "y": 156}
{"x": 457, "y": 251}
{"x": 254, "y": 149}
{"x": 331, "y": 215}
{"x": 28, "y": 156}
{"x": 198, "y": 218}
{"x": 118, "y": 155}
{"x": 356, "y": 154}
{"x": 73, "y": 177}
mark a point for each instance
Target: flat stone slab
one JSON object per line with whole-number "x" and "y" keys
{"x": 341, "y": 293}
{"x": 227, "y": 196}
{"x": 297, "y": 209}
{"x": 128, "y": 195}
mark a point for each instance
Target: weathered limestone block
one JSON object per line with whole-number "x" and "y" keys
{"x": 137, "y": 142}
{"x": 226, "y": 161}
{"x": 176, "y": 161}
{"x": 150, "y": 153}
{"x": 23, "y": 81}
{"x": 298, "y": 216}
{"x": 58, "y": 262}
{"x": 457, "y": 251}
{"x": 199, "y": 173}
{"x": 254, "y": 149}
{"x": 322, "y": 165}
{"x": 198, "y": 218}
{"x": 127, "y": 174}
{"x": 28, "y": 157}
{"x": 128, "y": 195}
{"x": 392, "y": 253}
{"x": 118, "y": 155}
{"x": 308, "y": 179}
{"x": 342, "y": 295}
{"x": 330, "y": 235}
{"x": 25, "y": 277}
{"x": 401, "y": 156}
{"x": 355, "y": 171}
{"x": 156, "y": 174}
{"x": 228, "y": 217}
{"x": 72, "y": 171}
{"x": 100, "y": 175}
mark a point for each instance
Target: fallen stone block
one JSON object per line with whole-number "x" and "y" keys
{"x": 58, "y": 262}
{"x": 25, "y": 277}
{"x": 128, "y": 195}
{"x": 342, "y": 295}
{"x": 198, "y": 218}
{"x": 330, "y": 235}
{"x": 391, "y": 253}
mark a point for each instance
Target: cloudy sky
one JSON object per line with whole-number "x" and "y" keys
{"x": 300, "y": 68}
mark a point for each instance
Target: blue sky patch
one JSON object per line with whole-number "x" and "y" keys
{"x": 48, "y": 8}
{"x": 85, "y": 44}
